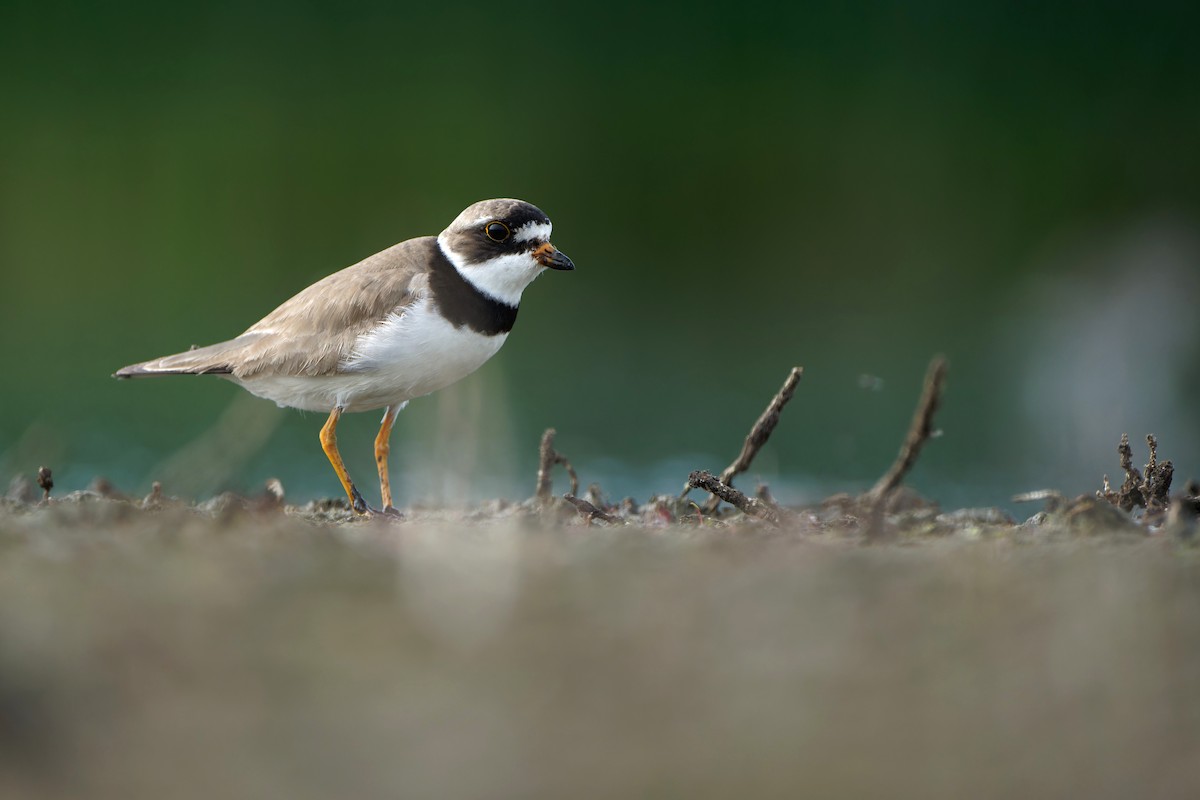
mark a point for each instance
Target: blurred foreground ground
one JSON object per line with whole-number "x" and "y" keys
{"x": 175, "y": 654}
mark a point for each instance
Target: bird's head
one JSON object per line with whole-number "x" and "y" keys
{"x": 500, "y": 246}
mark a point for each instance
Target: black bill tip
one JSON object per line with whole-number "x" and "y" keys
{"x": 550, "y": 256}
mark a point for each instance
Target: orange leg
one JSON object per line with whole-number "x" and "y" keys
{"x": 329, "y": 445}
{"x": 382, "y": 448}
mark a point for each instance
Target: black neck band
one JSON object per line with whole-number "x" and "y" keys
{"x": 462, "y": 303}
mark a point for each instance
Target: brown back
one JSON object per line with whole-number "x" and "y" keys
{"x": 314, "y": 332}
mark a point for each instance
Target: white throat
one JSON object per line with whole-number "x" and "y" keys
{"x": 502, "y": 278}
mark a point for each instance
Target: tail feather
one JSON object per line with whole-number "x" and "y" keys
{"x": 216, "y": 359}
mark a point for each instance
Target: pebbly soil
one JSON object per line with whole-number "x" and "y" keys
{"x": 244, "y": 649}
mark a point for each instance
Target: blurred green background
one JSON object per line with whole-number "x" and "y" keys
{"x": 743, "y": 187}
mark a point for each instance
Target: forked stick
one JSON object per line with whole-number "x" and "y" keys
{"x": 758, "y": 434}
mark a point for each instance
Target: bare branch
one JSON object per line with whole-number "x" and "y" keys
{"x": 918, "y": 432}
{"x": 703, "y": 479}
{"x": 763, "y": 427}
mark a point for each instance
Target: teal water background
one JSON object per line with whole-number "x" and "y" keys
{"x": 743, "y": 187}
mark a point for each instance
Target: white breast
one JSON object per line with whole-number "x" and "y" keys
{"x": 417, "y": 352}
{"x": 408, "y": 355}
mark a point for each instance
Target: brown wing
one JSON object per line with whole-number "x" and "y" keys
{"x": 314, "y": 332}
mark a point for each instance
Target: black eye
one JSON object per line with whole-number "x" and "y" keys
{"x": 497, "y": 231}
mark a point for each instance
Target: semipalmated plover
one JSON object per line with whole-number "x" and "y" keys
{"x": 400, "y": 324}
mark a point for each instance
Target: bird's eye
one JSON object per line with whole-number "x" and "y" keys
{"x": 497, "y": 231}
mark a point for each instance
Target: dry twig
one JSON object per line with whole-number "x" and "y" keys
{"x": 1150, "y": 491}
{"x": 1130, "y": 494}
{"x": 759, "y": 434}
{"x": 703, "y": 479}
{"x": 1053, "y": 498}
{"x": 1157, "y": 487}
{"x": 548, "y": 457}
{"x": 1038, "y": 495}
{"x": 592, "y": 512}
{"x": 918, "y": 432}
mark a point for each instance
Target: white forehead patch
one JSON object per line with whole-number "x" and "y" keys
{"x": 533, "y": 232}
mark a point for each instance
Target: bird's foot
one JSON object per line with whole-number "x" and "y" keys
{"x": 358, "y": 502}
{"x": 387, "y": 512}
{"x": 362, "y": 507}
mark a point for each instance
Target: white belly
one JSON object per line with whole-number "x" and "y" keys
{"x": 407, "y": 356}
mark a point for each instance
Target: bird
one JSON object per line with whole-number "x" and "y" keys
{"x": 401, "y": 324}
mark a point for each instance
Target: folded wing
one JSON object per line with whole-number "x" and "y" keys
{"x": 313, "y": 333}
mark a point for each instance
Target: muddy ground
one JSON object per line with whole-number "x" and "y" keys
{"x": 712, "y": 644}
{"x": 249, "y": 649}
